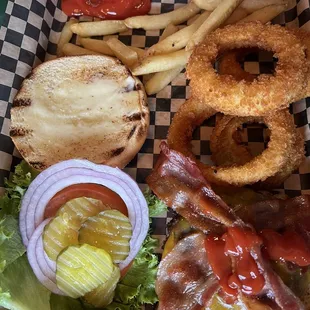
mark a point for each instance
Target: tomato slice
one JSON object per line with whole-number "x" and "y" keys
{"x": 89, "y": 190}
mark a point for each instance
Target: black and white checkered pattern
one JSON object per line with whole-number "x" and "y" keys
{"x": 29, "y": 36}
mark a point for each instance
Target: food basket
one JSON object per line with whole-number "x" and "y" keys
{"x": 29, "y": 36}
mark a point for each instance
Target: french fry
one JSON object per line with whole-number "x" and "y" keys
{"x": 89, "y": 29}
{"x": 216, "y": 18}
{"x": 139, "y": 51}
{"x": 254, "y": 5}
{"x": 65, "y": 36}
{"x": 169, "y": 30}
{"x": 179, "y": 39}
{"x": 70, "y": 49}
{"x": 238, "y": 14}
{"x": 265, "y": 14}
{"x": 192, "y": 19}
{"x": 78, "y": 40}
{"x": 160, "y": 63}
{"x": 108, "y": 37}
{"x": 161, "y": 21}
{"x": 249, "y": 5}
{"x": 208, "y": 5}
{"x": 124, "y": 53}
{"x": 98, "y": 46}
{"x": 161, "y": 79}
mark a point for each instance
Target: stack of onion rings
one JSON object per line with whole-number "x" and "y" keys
{"x": 246, "y": 98}
{"x": 271, "y": 161}
{"x": 227, "y": 150}
{"x": 267, "y": 93}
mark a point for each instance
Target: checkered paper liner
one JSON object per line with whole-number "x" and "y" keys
{"x": 29, "y": 36}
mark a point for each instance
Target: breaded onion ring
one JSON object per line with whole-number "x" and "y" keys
{"x": 193, "y": 112}
{"x": 267, "y": 93}
{"x": 227, "y": 150}
{"x": 229, "y": 64}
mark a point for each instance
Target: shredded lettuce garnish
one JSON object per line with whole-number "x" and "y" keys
{"x": 19, "y": 287}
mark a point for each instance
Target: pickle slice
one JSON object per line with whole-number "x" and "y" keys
{"x": 110, "y": 230}
{"x": 62, "y": 231}
{"x": 104, "y": 293}
{"x": 81, "y": 269}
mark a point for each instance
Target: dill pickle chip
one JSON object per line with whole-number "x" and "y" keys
{"x": 81, "y": 269}
{"x": 104, "y": 293}
{"x": 62, "y": 231}
{"x": 110, "y": 230}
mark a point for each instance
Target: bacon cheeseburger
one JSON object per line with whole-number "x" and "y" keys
{"x": 249, "y": 253}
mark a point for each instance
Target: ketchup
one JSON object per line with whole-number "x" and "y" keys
{"x": 288, "y": 246}
{"x": 106, "y": 9}
{"x": 235, "y": 245}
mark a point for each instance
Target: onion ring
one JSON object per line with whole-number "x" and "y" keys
{"x": 229, "y": 62}
{"x": 267, "y": 93}
{"x": 226, "y": 151}
{"x": 193, "y": 112}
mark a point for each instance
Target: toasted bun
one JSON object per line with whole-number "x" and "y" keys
{"x": 87, "y": 107}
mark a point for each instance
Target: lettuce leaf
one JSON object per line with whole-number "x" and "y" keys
{"x": 11, "y": 246}
{"x": 138, "y": 285}
{"x": 20, "y": 289}
{"x": 156, "y": 206}
{"x": 58, "y": 302}
{"x": 15, "y": 189}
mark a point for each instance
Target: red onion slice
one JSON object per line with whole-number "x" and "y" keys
{"x": 35, "y": 254}
{"x": 64, "y": 174}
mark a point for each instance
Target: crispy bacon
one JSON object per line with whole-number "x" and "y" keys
{"x": 278, "y": 213}
{"x": 180, "y": 184}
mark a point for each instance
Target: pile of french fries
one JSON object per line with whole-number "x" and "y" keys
{"x": 163, "y": 61}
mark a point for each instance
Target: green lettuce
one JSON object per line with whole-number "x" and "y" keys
{"x": 11, "y": 246}
{"x": 138, "y": 285}
{"x": 20, "y": 289}
{"x": 156, "y": 206}
{"x": 58, "y": 302}
{"x": 15, "y": 189}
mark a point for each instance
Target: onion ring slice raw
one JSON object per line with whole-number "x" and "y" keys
{"x": 226, "y": 150}
{"x": 64, "y": 174}
{"x": 267, "y": 93}
{"x": 193, "y": 112}
{"x": 41, "y": 269}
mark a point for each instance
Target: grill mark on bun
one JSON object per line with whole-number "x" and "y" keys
{"x": 141, "y": 131}
{"x": 132, "y": 131}
{"x": 37, "y": 165}
{"x": 133, "y": 117}
{"x": 117, "y": 151}
{"x": 14, "y": 132}
{"x": 21, "y": 102}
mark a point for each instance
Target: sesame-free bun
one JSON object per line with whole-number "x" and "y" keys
{"x": 88, "y": 107}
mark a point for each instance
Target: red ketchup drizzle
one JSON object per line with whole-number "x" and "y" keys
{"x": 106, "y": 9}
{"x": 235, "y": 246}
{"x": 288, "y": 246}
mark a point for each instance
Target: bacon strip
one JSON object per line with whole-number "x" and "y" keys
{"x": 180, "y": 184}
